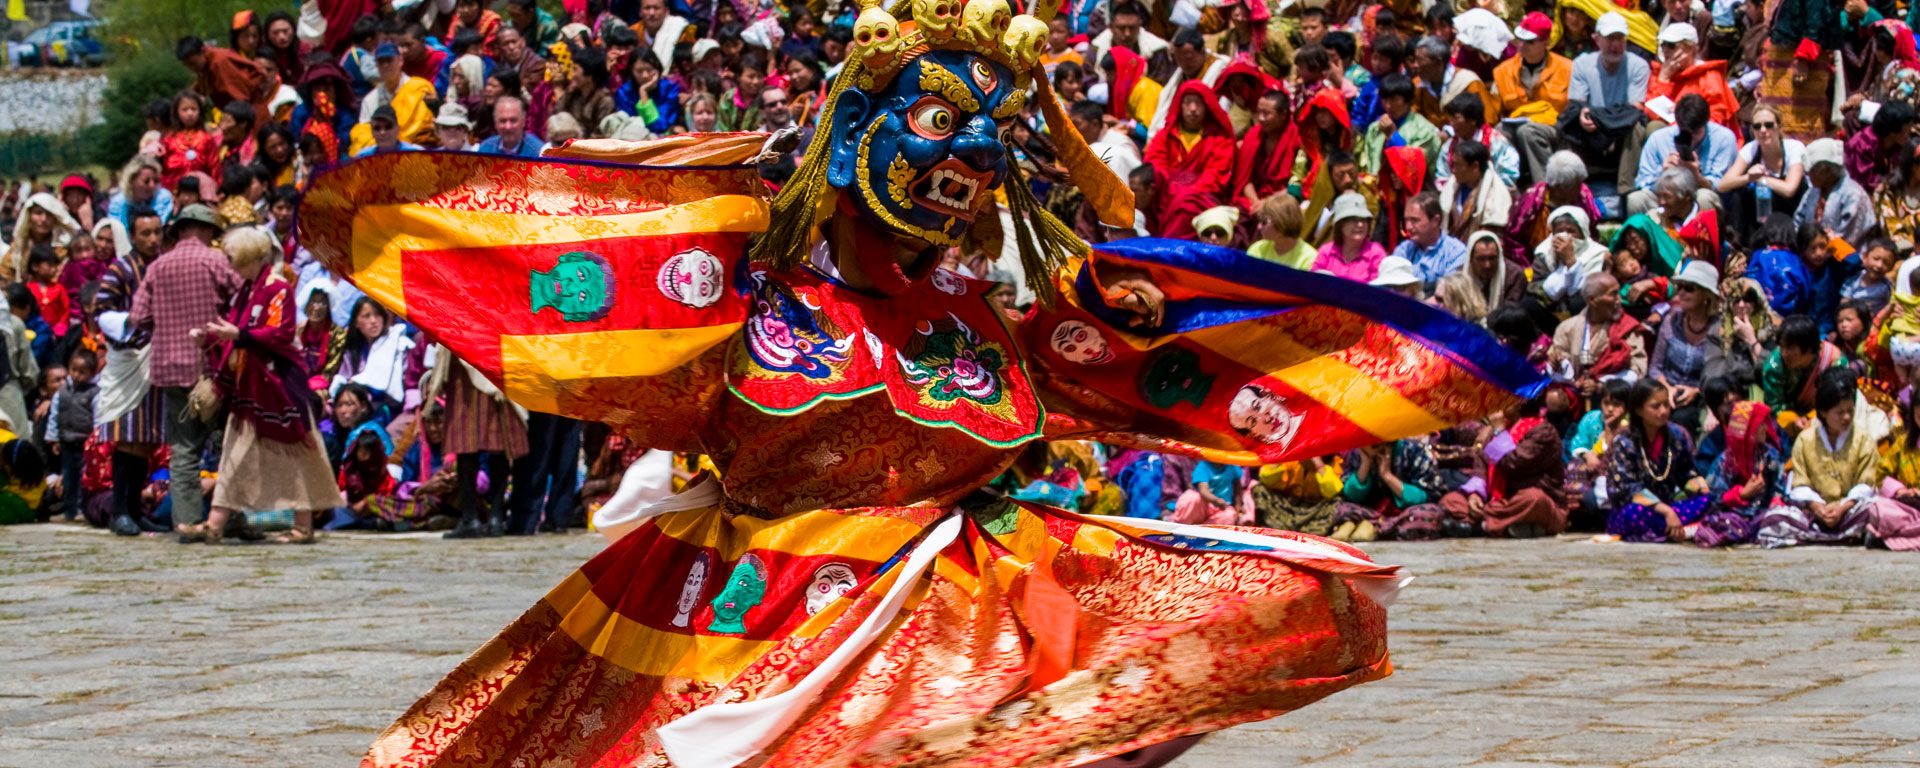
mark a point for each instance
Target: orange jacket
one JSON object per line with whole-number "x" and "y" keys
{"x": 1543, "y": 102}
{"x": 1707, "y": 78}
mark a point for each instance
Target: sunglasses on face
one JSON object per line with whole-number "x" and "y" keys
{"x": 1765, "y": 126}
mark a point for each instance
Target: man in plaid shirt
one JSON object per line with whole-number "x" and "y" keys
{"x": 186, "y": 288}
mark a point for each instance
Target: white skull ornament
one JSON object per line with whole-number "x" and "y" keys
{"x": 1026, "y": 39}
{"x": 984, "y": 22}
{"x": 937, "y": 19}
{"x": 876, "y": 38}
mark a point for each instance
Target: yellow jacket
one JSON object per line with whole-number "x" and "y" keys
{"x": 1543, "y": 102}
{"x": 413, "y": 106}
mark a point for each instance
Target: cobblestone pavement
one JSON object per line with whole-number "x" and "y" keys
{"x": 1566, "y": 653}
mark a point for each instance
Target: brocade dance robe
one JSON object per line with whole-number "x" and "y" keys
{"x": 828, "y": 601}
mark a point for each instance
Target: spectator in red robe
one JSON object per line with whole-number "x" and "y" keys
{"x": 222, "y": 74}
{"x": 1264, "y": 163}
{"x": 340, "y": 15}
{"x": 1194, "y": 160}
{"x": 1403, "y": 176}
{"x": 1125, "y": 69}
{"x": 1324, "y": 125}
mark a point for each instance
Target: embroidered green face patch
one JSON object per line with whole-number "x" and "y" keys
{"x": 744, "y": 591}
{"x": 1174, "y": 376}
{"x": 579, "y": 286}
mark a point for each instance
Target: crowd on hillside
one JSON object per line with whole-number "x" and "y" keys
{"x": 1698, "y": 218}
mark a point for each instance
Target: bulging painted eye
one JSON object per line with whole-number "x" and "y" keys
{"x": 933, "y": 120}
{"x": 983, "y": 76}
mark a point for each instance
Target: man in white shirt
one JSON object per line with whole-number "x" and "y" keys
{"x": 1195, "y": 61}
{"x": 1125, "y": 31}
{"x": 660, "y": 30}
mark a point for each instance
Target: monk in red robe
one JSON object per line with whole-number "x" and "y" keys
{"x": 1324, "y": 125}
{"x": 1264, "y": 164}
{"x": 1194, "y": 159}
{"x": 223, "y": 75}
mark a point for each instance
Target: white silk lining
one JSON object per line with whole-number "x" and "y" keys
{"x": 726, "y": 735}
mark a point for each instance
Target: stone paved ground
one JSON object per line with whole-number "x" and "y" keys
{"x": 1565, "y": 653}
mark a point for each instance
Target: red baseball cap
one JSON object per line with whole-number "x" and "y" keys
{"x": 76, "y": 180}
{"x": 1535, "y": 26}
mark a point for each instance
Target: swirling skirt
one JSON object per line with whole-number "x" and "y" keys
{"x": 1016, "y": 635}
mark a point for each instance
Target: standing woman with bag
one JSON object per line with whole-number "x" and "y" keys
{"x": 272, "y": 457}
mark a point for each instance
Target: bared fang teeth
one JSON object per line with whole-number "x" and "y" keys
{"x": 963, "y": 188}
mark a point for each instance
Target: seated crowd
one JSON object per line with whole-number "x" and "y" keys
{"x": 1696, "y": 218}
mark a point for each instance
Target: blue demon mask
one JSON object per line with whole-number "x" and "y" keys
{"x": 923, "y": 155}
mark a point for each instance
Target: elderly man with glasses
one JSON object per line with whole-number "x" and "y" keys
{"x": 1604, "y": 97}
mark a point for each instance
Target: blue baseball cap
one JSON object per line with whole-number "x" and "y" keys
{"x": 386, "y": 51}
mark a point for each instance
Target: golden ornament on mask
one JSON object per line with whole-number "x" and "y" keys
{"x": 939, "y": 80}
{"x": 863, "y": 172}
{"x": 1011, "y": 105}
{"x": 884, "y": 42}
{"x": 899, "y": 177}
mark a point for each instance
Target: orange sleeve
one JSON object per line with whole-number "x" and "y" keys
{"x": 1558, "y": 82}
{"x": 1486, "y": 97}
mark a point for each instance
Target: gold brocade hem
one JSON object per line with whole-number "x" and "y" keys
{"x": 1040, "y": 638}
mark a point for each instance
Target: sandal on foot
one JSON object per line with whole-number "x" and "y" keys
{"x": 200, "y": 532}
{"x": 296, "y": 536}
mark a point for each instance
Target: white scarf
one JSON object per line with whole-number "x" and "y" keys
{"x": 386, "y": 358}
{"x": 1499, "y": 282}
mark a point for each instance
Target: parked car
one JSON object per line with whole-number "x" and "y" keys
{"x": 63, "y": 44}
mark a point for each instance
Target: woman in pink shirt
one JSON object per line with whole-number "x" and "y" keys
{"x": 1351, "y": 253}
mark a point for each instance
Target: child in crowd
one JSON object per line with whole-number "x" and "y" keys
{"x": 1743, "y": 476}
{"x": 70, "y": 422}
{"x": 1641, "y": 291}
{"x": 1145, "y": 185}
{"x": 1788, "y": 379}
{"x": 363, "y": 479}
{"x": 87, "y": 260}
{"x": 1586, "y": 447}
{"x": 56, "y": 308}
{"x": 187, "y": 145}
{"x": 1852, "y": 326}
{"x": 25, "y": 310}
{"x": 320, "y": 341}
{"x": 190, "y": 191}
{"x": 1872, "y": 286}
{"x": 1901, "y": 326}
{"x": 424, "y": 494}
